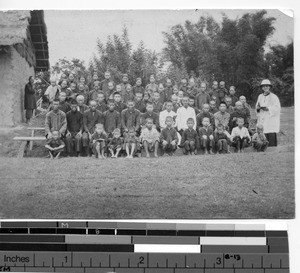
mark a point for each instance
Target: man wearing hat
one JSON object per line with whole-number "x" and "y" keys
{"x": 268, "y": 112}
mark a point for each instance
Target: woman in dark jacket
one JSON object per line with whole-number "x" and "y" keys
{"x": 29, "y": 100}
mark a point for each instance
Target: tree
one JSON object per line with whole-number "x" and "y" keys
{"x": 75, "y": 66}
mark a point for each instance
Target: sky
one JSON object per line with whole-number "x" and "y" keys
{"x": 73, "y": 34}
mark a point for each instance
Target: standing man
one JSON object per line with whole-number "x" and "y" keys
{"x": 202, "y": 97}
{"x": 268, "y": 112}
{"x": 183, "y": 114}
{"x": 104, "y": 83}
{"x": 29, "y": 99}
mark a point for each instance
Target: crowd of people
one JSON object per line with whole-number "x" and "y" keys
{"x": 105, "y": 118}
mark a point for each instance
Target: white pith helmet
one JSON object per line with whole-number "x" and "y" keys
{"x": 266, "y": 82}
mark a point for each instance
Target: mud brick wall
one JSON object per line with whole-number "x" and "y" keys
{"x": 14, "y": 74}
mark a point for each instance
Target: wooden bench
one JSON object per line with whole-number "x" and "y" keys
{"x": 27, "y": 141}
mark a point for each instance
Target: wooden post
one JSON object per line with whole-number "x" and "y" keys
{"x": 31, "y": 142}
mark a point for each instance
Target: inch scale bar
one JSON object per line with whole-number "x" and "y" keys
{"x": 143, "y": 262}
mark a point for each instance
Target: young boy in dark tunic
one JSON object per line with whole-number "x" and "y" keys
{"x": 222, "y": 139}
{"x": 206, "y": 136}
{"x": 111, "y": 119}
{"x": 54, "y": 145}
{"x": 189, "y": 139}
{"x": 259, "y": 140}
{"x": 169, "y": 137}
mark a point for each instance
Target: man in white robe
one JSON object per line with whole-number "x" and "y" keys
{"x": 268, "y": 112}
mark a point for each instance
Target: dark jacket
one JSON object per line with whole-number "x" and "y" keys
{"x": 29, "y": 99}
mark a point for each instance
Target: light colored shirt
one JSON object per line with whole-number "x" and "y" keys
{"x": 51, "y": 92}
{"x": 222, "y": 118}
{"x": 241, "y": 132}
{"x": 183, "y": 114}
{"x": 162, "y": 118}
{"x": 150, "y": 135}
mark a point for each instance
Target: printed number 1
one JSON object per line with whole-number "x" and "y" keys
{"x": 219, "y": 260}
{"x": 66, "y": 259}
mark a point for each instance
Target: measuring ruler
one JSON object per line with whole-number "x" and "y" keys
{"x": 150, "y": 248}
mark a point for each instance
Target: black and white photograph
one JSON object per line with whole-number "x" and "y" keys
{"x": 134, "y": 114}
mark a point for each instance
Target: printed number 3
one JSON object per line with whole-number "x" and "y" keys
{"x": 141, "y": 260}
{"x": 219, "y": 260}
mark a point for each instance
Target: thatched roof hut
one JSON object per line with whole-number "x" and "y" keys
{"x": 27, "y": 32}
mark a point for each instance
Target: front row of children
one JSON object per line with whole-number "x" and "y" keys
{"x": 150, "y": 139}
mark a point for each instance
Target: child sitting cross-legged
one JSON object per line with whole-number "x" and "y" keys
{"x": 98, "y": 140}
{"x": 116, "y": 143}
{"x": 240, "y": 136}
{"x": 150, "y": 138}
{"x": 259, "y": 140}
{"x": 55, "y": 145}
{"x": 131, "y": 143}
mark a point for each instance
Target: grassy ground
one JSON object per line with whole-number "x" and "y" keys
{"x": 250, "y": 185}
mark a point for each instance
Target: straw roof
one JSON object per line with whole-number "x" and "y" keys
{"x": 27, "y": 32}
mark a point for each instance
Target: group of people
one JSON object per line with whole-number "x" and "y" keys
{"x": 108, "y": 119}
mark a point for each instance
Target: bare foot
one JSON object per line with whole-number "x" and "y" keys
{"x": 155, "y": 155}
{"x": 147, "y": 155}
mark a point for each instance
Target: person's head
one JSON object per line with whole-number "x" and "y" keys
{"x": 31, "y": 79}
{"x": 184, "y": 82}
{"x": 130, "y": 104}
{"x": 73, "y": 86}
{"x": 202, "y": 86}
{"x": 192, "y": 82}
{"x": 266, "y": 86}
{"x": 117, "y": 97}
{"x": 117, "y": 133}
{"x": 125, "y": 78}
{"x": 52, "y": 81}
{"x": 100, "y": 97}
{"x": 107, "y": 75}
{"x": 118, "y": 88}
{"x": 169, "y": 121}
{"x": 260, "y": 128}
{"x": 149, "y": 123}
{"x": 190, "y": 123}
{"x": 160, "y": 87}
{"x": 169, "y": 83}
{"x": 205, "y": 121}
{"x": 180, "y": 94}
{"x": 175, "y": 89}
{"x": 169, "y": 105}
{"x": 128, "y": 88}
{"x": 81, "y": 87}
{"x": 64, "y": 84}
{"x": 93, "y": 105}
{"x": 138, "y": 81}
{"x": 55, "y": 105}
{"x": 222, "y": 84}
{"x": 191, "y": 101}
{"x": 63, "y": 76}
{"x": 156, "y": 96}
{"x": 152, "y": 79}
{"x": 215, "y": 85}
{"x": 82, "y": 79}
{"x": 62, "y": 96}
{"x": 96, "y": 85}
{"x": 174, "y": 99}
{"x": 73, "y": 105}
{"x": 99, "y": 128}
{"x": 138, "y": 96}
{"x": 205, "y": 107}
{"x": 149, "y": 107}
{"x": 71, "y": 77}
{"x": 223, "y": 107}
{"x": 242, "y": 99}
{"x": 212, "y": 104}
{"x": 220, "y": 128}
{"x": 185, "y": 101}
{"x": 110, "y": 86}
{"x": 228, "y": 100}
{"x": 55, "y": 134}
{"x": 232, "y": 90}
{"x": 131, "y": 132}
{"x": 95, "y": 77}
{"x": 80, "y": 100}
{"x": 111, "y": 105}
{"x": 238, "y": 105}
{"x": 240, "y": 122}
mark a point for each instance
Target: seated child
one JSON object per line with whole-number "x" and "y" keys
{"x": 259, "y": 140}
{"x": 222, "y": 138}
{"x": 55, "y": 145}
{"x": 169, "y": 137}
{"x": 116, "y": 143}
{"x": 131, "y": 143}
{"x": 150, "y": 138}
{"x": 240, "y": 136}
{"x": 98, "y": 140}
{"x": 206, "y": 136}
{"x": 189, "y": 140}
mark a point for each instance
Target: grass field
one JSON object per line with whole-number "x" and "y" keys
{"x": 249, "y": 185}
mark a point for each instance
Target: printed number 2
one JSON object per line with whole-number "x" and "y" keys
{"x": 141, "y": 261}
{"x": 219, "y": 260}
